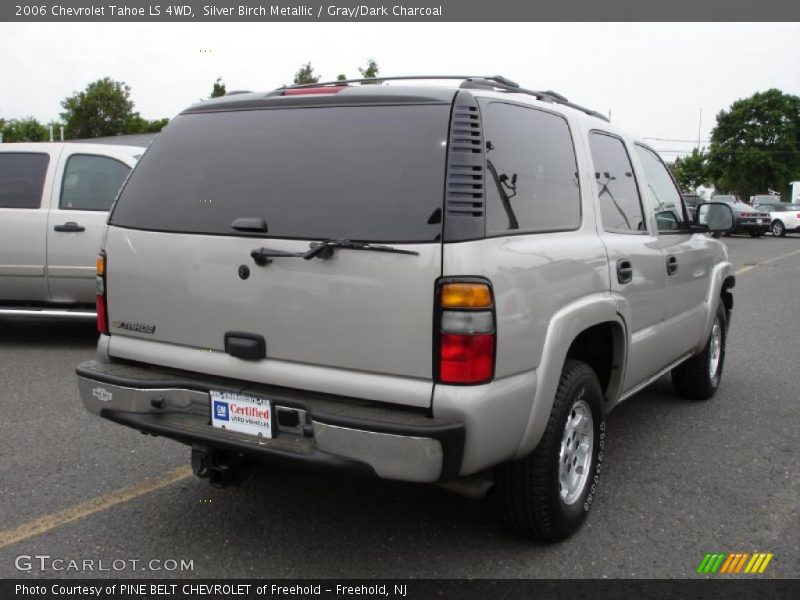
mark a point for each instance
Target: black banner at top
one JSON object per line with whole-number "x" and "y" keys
{"x": 398, "y": 10}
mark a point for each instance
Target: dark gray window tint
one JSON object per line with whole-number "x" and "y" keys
{"x": 664, "y": 197}
{"x": 91, "y": 182}
{"x": 531, "y": 172}
{"x": 373, "y": 173}
{"x": 620, "y": 206}
{"x": 22, "y": 179}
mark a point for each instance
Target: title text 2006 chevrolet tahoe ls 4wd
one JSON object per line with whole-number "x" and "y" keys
{"x": 417, "y": 282}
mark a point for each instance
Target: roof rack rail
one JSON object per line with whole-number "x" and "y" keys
{"x": 497, "y": 82}
{"x": 544, "y": 96}
{"x": 375, "y": 80}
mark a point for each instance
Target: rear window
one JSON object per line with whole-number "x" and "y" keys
{"x": 531, "y": 170}
{"x": 371, "y": 173}
{"x": 22, "y": 179}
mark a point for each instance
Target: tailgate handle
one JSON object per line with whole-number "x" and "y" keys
{"x": 247, "y": 346}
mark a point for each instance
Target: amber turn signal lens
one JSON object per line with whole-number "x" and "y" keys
{"x": 101, "y": 265}
{"x": 466, "y": 295}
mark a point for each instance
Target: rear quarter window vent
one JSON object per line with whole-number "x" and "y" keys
{"x": 464, "y": 194}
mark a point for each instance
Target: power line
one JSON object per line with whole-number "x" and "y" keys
{"x": 680, "y": 141}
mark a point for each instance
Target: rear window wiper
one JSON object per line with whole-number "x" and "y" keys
{"x": 323, "y": 249}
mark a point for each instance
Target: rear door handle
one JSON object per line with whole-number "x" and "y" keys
{"x": 672, "y": 265}
{"x": 624, "y": 271}
{"x": 70, "y": 226}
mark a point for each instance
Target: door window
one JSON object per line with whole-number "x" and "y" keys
{"x": 22, "y": 179}
{"x": 662, "y": 194}
{"x": 91, "y": 182}
{"x": 620, "y": 205}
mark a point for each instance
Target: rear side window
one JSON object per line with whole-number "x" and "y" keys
{"x": 664, "y": 196}
{"x": 369, "y": 173}
{"x": 531, "y": 171}
{"x": 22, "y": 179}
{"x": 91, "y": 182}
{"x": 620, "y": 206}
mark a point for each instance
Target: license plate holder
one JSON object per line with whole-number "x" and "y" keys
{"x": 241, "y": 413}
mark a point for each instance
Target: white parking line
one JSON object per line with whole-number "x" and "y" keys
{"x": 746, "y": 268}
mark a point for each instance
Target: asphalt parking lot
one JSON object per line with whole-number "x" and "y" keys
{"x": 681, "y": 479}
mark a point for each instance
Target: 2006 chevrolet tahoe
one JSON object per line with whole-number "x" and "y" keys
{"x": 420, "y": 283}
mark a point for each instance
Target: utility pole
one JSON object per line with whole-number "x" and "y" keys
{"x": 699, "y": 128}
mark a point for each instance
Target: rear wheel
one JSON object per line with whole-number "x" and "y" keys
{"x": 698, "y": 378}
{"x": 778, "y": 229}
{"x": 547, "y": 494}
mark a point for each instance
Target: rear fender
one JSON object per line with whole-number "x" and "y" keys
{"x": 565, "y": 326}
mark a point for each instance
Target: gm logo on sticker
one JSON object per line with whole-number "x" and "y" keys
{"x": 220, "y": 410}
{"x": 102, "y": 394}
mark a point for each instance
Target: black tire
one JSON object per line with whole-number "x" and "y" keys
{"x": 529, "y": 489}
{"x": 778, "y": 228}
{"x": 692, "y": 378}
{"x": 756, "y": 234}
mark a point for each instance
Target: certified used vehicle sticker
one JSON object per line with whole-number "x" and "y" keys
{"x": 241, "y": 413}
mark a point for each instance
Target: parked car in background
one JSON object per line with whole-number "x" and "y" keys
{"x": 765, "y": 199}
{"x": 784, "y": 218}
{"x": 691, "y": 201}
{"x": 746, "y": 218}
{"x": 54, "y": 202}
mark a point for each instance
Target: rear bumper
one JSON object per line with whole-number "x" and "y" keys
{"x": 388, "y": 442}
{"x": 752, "y": 227}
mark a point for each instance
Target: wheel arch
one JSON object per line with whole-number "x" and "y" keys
{"x": 591, "y": 330}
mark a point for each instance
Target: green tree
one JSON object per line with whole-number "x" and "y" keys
{"x": 371, "y": 71}
{"x": 341, "y": 77}
{"x": 218, "y": 89}
{"x": 305, "y": 75}
{"x": 755, "y": 145}
{"x": 691, "y": 171}
{"x": 24, "y": 130}
{"x": 137, "y": 124}
{"x": 104, "y": 108}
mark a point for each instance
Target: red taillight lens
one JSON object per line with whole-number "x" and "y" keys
{"x": 102, "y": 318}
{"x": 466, "y": 358}
{"x": 102, "y": 312}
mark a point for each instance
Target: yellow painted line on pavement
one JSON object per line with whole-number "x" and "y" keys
{"x": 746, "y": 268}
{"x": 84, "y": 509}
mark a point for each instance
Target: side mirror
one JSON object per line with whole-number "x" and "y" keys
{"x": 714, "y": 217}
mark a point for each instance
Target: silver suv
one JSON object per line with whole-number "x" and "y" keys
{"x": 419, "y": 283}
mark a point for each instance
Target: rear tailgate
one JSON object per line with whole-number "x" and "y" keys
{"x": 179, "y": 277}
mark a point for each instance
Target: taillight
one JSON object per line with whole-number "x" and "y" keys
{"x": 466, "y": 332}
{"x": 102, "y": 312}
